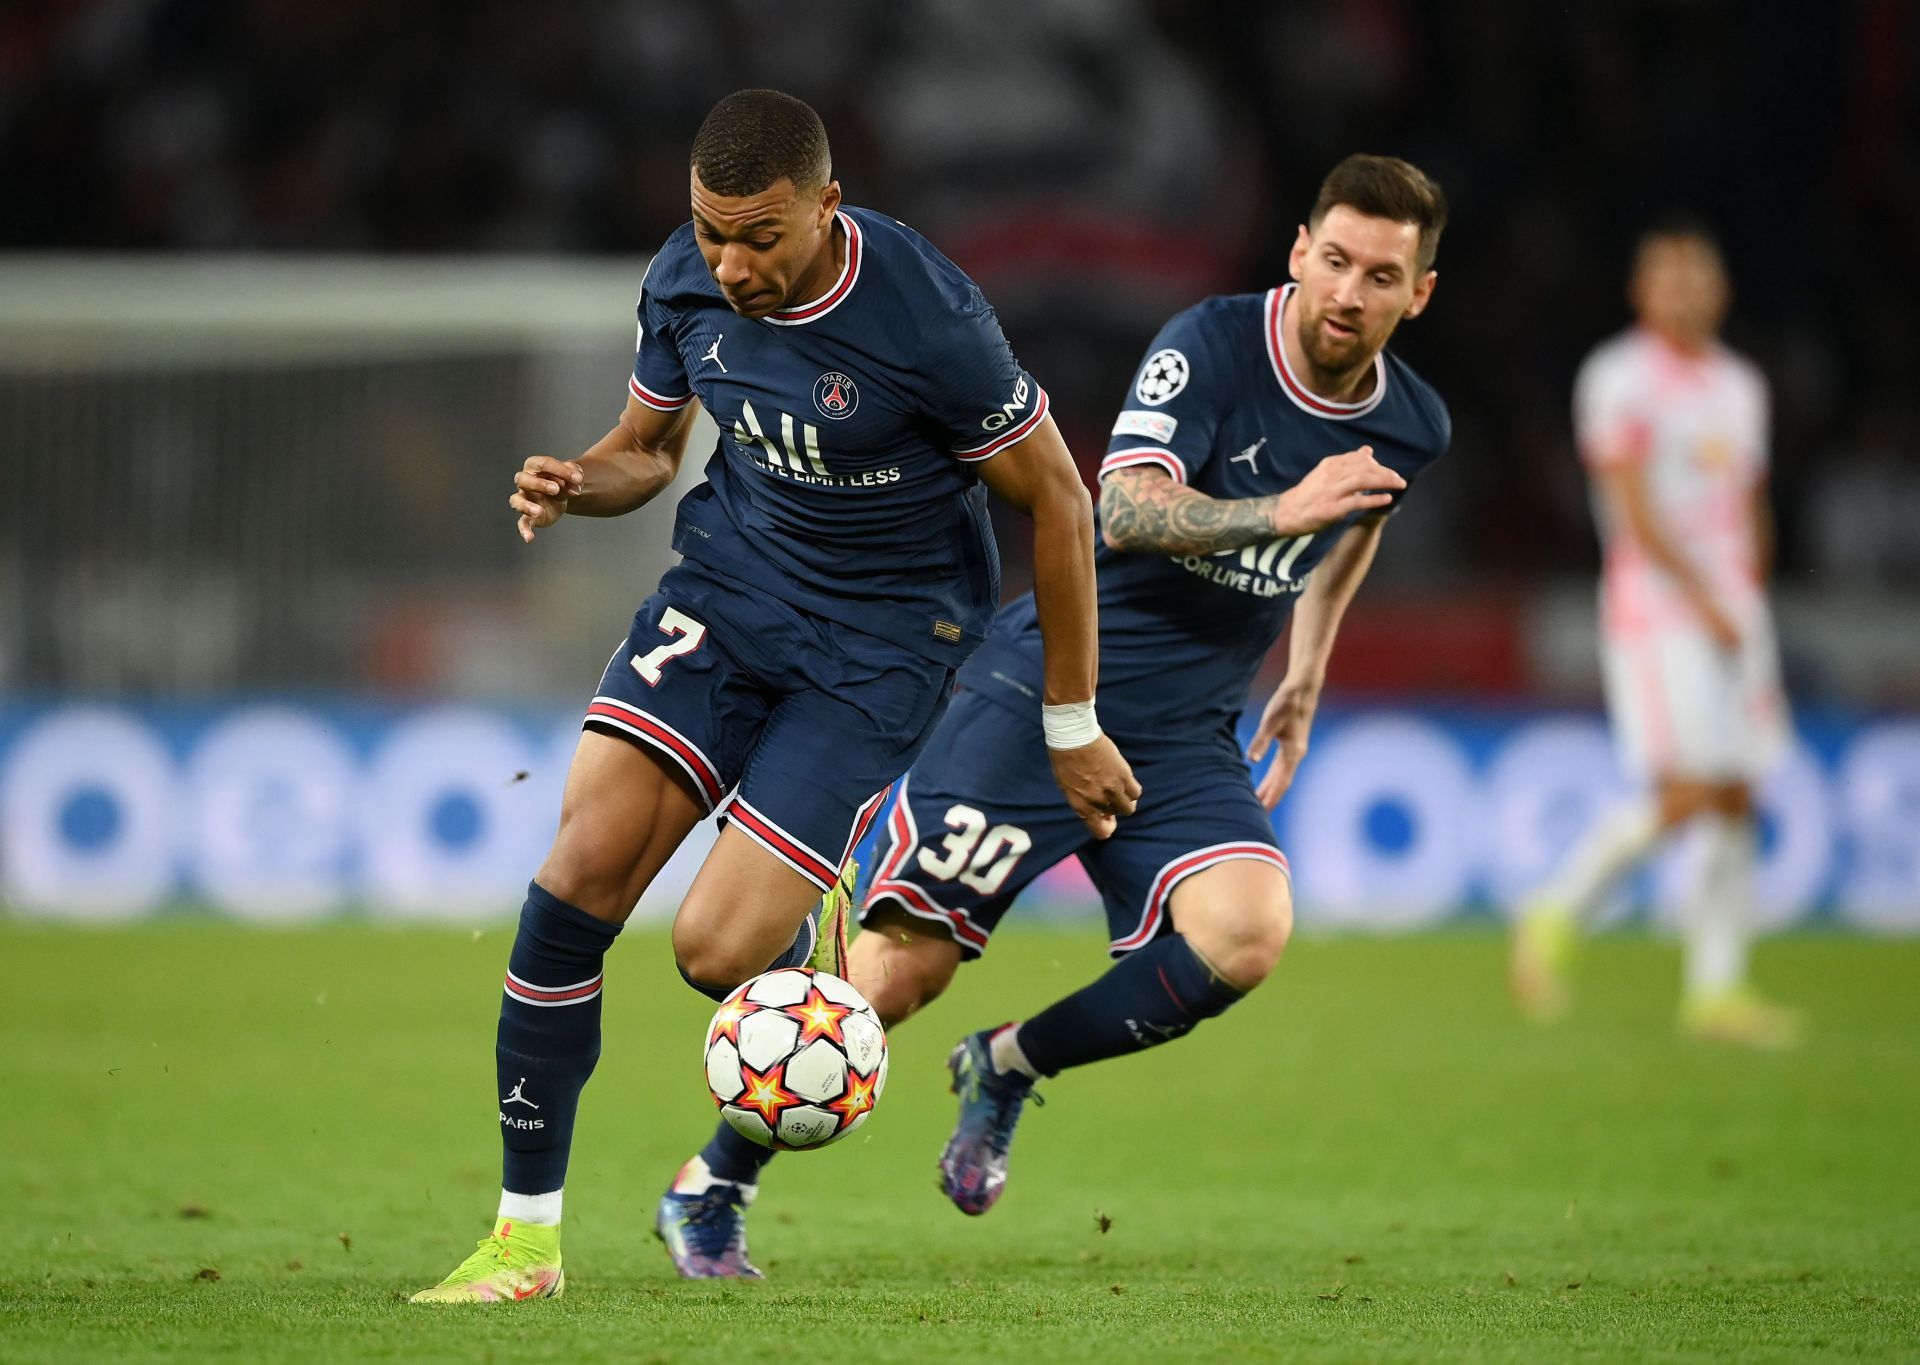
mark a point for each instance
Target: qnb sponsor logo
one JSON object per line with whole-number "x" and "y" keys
{"x": 1011, "y": 409}
{"x": 1258, "y": 570}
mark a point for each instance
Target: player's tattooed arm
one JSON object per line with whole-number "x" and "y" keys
{"x": 1145, "y": 509}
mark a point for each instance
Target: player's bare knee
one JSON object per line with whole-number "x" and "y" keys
{"x": 1243, "y": 944}
{"x": 598, "y": 886}
{"x": 718, "y": 964}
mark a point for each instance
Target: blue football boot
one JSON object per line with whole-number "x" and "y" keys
{"x": 704, "y": 1225}
{"x": 973, "y": 1168}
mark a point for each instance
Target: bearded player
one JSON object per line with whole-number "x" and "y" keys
{"x": 1673, "y": 429}
{"x": 1264, "y": 442}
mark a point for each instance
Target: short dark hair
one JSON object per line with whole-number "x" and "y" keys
{"x": 1676, "y": 222}
{"x": 1386, "y": 187}
{"x": 753, "y": 138}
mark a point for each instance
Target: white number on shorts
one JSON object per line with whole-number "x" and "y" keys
{"x": 981, "y": 858}
{"x": 674, "y": 622}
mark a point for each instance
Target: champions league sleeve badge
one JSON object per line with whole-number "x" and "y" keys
{"x": 1163, "y": 376}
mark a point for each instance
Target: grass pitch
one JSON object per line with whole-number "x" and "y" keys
{"x": 232, "y": 1144}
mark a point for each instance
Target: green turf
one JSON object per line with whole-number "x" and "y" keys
{"x": 1370, "y": 1160}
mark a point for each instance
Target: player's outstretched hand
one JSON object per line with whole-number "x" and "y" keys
{"x": 1287, "y": 717}
{"x": 1340, "y": 484}
{"x": 541, "y": 489}
{"x": 1098, "y": 783}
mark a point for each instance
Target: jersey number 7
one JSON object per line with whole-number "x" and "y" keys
{"x": 674, "y": 622}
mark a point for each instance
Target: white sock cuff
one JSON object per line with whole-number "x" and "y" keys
{"x": 541, "y": 1209}
{"x": 1004, "y": 1047}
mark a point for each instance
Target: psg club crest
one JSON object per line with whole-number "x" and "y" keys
{"x": 836, "y": 395}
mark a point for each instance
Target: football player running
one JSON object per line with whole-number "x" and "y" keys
{"x": 839, "y": 567}
{"x": 1264, "y": 443}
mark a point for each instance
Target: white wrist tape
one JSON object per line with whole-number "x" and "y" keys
{"x": 1070, "y": 725}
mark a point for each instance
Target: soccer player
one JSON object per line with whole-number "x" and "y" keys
{"x": 1672, "y": 427}
{"x": 1263, "y": 444}
{"x": 839, "y": 567}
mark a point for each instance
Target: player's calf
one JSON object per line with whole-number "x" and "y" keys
{"x": 900, "y": 964}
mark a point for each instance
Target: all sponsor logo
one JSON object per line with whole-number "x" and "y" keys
{"x": 835, "y": 395}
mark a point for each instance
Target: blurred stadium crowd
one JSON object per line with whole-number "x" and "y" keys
{"x": 1096, "y": 165}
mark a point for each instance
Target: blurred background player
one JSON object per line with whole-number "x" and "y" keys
{"x": 1264, "y": 442}
{"x": 839, "y": 567}
{"x": 1673, "y": 429}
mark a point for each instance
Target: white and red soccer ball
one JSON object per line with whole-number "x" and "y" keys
{"x": 795, "y": 1059}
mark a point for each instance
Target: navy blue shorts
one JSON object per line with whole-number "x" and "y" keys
{"x": 979, "y": 817}
{"x": 791, "y": 726}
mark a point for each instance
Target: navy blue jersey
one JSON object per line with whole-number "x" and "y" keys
{"x": 842, "y": 480}
{"x": 1216, "y": 406}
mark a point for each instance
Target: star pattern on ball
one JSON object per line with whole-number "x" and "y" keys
{"x": 859, "y": 1096}
{"x": 765, "y": 1095}
{"x": 819, "y": 1017}
{"x": 726, "y": 1020}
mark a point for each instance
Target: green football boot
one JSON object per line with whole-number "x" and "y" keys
{"x": 519, "y": 1261}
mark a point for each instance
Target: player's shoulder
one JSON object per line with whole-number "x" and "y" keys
{"x": 678, "y": 271}
{"x": 1215, "y": 336}
{"x": 1742, "y": 370}
{"x": 1425, "y": 410}
{"x": 1623, "y": 352}
{"x": 909, "y": 268}
{"x": 1222, "y": 321}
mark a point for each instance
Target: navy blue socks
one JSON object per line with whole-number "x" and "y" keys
{"x": 1145, "y": 999}
{"x": 732, "y": 1157}
{"x": 549, "y": 1037}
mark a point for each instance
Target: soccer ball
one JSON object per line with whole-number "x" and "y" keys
{"x": 795, "y": 1059}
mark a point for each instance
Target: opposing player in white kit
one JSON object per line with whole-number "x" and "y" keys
{"x": 1673, "y": 429}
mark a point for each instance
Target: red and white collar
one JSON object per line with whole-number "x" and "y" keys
{"x": 834, "y": 297}
{"x": 1302, "y": 396}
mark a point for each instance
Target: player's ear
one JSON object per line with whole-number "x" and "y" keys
{"x": 829, "y": 202}
{"x": 1422, "y": 294}
{"x": 1297, "y": 258}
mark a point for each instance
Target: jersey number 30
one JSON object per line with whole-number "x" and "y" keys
{"x": 981, "y": 858}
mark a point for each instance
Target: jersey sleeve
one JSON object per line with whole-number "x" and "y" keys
{"x": 1172, "y": 412}
{"x": 659, "y": 378}
{"x": 976, "y": 391}
{"x": 1610, "y": 422}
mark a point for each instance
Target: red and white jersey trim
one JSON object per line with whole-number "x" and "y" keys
{"x": 1302, "y": 396}
{"x": 834, "y": 297}
{"x": 1013, "y": 435}
{"x": 631, "y": 720}
{"x": 863, "y": 820}
{"x": 1139, "y": 455}
{"x": 1178, "y": 871}
{"x": 547, "y": 997}
{"x": 659, "y": 402}
{"x": 912, "y": 898}
{"x": 779, "y": 843}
